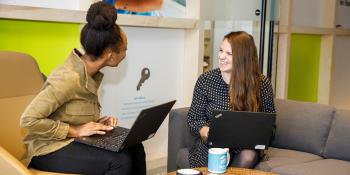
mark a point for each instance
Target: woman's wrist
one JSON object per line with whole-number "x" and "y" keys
{"x": 73, "y": 131}
{"x": 204, "y": 133}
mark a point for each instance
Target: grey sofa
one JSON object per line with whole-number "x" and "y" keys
{"x": 311, "y": 139}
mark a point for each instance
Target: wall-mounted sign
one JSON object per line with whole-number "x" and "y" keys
{"x": 151, "y": 74}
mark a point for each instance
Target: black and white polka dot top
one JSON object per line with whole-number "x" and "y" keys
{"x": 211, "y": 92}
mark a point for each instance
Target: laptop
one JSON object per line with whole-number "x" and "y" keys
{"x": 144, "y": 127}
{"x": 241, "y": 129}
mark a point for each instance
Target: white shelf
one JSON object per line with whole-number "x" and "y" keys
{"x": 342, "y": 32}
{"x": 77, "y": 16}
{"x": 319, "y": 31}
{"x": 311, "y": 30}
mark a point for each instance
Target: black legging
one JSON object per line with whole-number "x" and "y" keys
{"x": 83, "y": 159}
{"x": 245, "y": 158}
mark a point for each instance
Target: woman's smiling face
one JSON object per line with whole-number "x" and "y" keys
{"x": 225, "y": 57}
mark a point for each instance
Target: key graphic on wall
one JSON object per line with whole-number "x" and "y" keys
{"x": 145, "y": 73}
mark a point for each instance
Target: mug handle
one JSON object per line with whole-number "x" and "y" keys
{"x": 228, "y": 156}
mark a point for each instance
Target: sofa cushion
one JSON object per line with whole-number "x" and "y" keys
{"x": 319, "y": 167}
{"x": 182, "y": 158}
{"x": 279, "y": 157}
{"x": 338, "y": 142}
{"x": 179, "y": 136}
{"x": 302, "y": 126}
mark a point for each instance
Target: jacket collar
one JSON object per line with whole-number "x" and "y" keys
{"x": 77, "y": 64}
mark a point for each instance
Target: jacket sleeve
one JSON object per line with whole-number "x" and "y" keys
{"x": 196, "y": 116}
{"x": 57, "y": 90}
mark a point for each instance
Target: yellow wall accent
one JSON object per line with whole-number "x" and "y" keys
{"x": 304, "y": 67}
{"x": 48, "y": 42}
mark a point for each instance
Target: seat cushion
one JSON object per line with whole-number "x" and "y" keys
{"x": 182, "y": 158}
{"x": 280, "y": 157}
{"x": 302, "y": 126}
{"x": 319, "y": 167}
{"x": 338, "y": 142}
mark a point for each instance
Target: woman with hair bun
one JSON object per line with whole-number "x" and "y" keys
{"x": 68, "y": 107}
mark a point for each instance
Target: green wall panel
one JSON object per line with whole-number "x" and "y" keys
{"x": 303, "y": 67}
{"x": 48, "y": 42}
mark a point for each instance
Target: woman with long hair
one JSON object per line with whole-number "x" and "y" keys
{"x": 236, "y": 85}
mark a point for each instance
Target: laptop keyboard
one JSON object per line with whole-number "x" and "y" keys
{"x": 115, "y": 138}
{"x": 112, "y": 140}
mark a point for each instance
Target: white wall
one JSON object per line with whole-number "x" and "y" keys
{"x": 307, "y": 12}
{"x": 162, "y": 51}
{"x": 340, "y": 82}
{"x": 343, "y": 16}
{"x": 229, "y": 9}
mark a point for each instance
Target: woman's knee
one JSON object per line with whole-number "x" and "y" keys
{"x": 245, "y": 159}
{"x": 248, "y": 155}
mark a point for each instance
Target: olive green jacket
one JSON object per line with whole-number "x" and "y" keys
{"x": 68, "y": 97}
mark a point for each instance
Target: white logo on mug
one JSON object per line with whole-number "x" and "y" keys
{"x": 218, "y": 160}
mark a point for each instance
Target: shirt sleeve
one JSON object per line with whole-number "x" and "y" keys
{"x": 268, "y": 104}
{"x": 267, "y": 99}
{"x": 196, "y": 116}
{"x": 57, "y": 91}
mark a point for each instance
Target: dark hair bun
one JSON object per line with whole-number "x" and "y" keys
{"x": 101, "y": 31}
{"x": 101, "y": 16}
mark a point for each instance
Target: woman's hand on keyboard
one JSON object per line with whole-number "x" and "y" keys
{"x": 108, "y": 120}
{"x": 88, "y": 129}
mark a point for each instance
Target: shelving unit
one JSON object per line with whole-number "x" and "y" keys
{"x": 318, "y": 18}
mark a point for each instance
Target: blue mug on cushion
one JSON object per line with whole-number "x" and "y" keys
{"x": 218, "y": 160}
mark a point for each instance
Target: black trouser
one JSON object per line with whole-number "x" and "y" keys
{"x": 83, "y": 159}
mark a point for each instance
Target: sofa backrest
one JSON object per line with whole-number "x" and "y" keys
{"x": 21, "y": 80}
{"x": 302, "y": 126}
{"x": 338, "y": 143}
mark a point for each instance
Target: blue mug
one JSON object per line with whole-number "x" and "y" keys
{"x": 218, "y": 160}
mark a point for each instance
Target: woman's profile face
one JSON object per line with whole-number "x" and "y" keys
{"x": 225, "y": 57}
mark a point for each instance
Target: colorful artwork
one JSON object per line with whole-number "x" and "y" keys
{"x": 137, "y": 7}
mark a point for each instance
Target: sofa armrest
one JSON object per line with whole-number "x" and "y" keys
{"x": 179, "y": 135}
{"x": 10, "y": 165}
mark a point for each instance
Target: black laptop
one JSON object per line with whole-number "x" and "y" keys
{"x": 144, "y": 127}
{"x": 240, "y": 129}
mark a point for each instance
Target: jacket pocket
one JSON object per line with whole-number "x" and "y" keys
{"x": 81, "y": 108}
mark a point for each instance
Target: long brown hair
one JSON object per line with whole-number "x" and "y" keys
{"x": 244, "y": 87}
